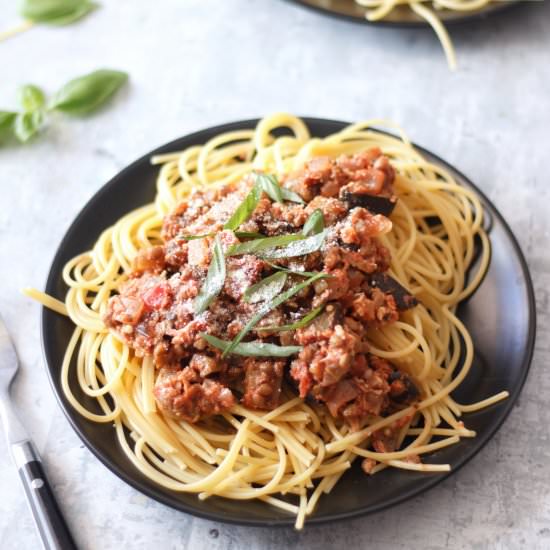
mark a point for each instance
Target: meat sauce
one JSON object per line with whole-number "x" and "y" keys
{"x": 154, "y": 314}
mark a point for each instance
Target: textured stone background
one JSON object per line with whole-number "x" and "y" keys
{"x": 204, "y": 62}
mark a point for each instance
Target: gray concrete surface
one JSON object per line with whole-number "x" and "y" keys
{"x": 202, "y": 62}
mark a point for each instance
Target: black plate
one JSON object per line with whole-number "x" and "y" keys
{"x": 504, "y": 344}
{"x": 401, "y": 16}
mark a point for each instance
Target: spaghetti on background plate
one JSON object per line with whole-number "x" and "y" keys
{"x": 429, "y": 11}
{"x": 285, "y": 307}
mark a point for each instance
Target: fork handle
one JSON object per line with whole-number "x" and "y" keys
{"x": 53, "y": 530}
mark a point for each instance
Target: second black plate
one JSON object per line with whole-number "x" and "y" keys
{"x": 503, "y": 342}
{"x": 401, "y": 15}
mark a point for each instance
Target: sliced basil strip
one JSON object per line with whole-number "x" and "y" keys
{"x": 257, "y": 245}
{"x": 315, "y": 223}
{"x": 239, "y": 234}
{"x": 266, "y": 289}
{"x": 252, "y": 349}
{"x": 267, "y": 307}
{"x": 269, "y": 185}
{"x": 214, "y": 281}
{"x": 297, "y": 248}
{"x": 290, "y": 196}
{"x": 194, "y": 237}
{"x": 248, "y": 235}
{"x": 295, "y": 271}
{"x": 304, "y": 321}
{"x": 244, "y": 210}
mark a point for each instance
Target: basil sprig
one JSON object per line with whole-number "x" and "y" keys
{"x": 80, "y": 96}
{"x": 56, "y": 12}
{"x": 304, "y": 321}
{"x": 214, "y": 281}
{"x": 252, "y": 349}
{"x": 266, "y": 307}
{"x": 86, "y": 93}
{"x": 266, "y": 289}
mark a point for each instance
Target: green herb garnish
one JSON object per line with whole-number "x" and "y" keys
{"x": 290, "y": 196}
{"x": 304, "y": 321}
{"x": 56, "y": 12}
{"x": 31, "y": 98}
{"x": 248, "y": 235}
{"x": 265, "y": 183}
{"x": 244, "y": 210}
{"x": 299, "y": 247}
{"x": 251, "y": 349}
{"x": 214, "y": 281}
{"x": 266, "y": 289}
{"x": 86, "y": 93}
{"x": 239, "y": 234}
{"x": 80, "y": 96}
{"x": 267, "y": 307}
{"x": 258, "y": 245}
{"x": 26, "y": 125}
{"x": 269, "y": 185}
{"x": 294, "y": 271}
{"x": 195, "y": 237}
{"x": 314, "y": 224}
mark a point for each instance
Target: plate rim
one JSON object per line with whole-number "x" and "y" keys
{"x": 53, "y": 278}
{"x": 466, "y": 17}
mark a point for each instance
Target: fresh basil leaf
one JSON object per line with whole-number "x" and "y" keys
{"x": 31, "y": 97}
{"x": 266, "y": 308}
{"x": 86, "y": 93}
{"x": 252, "y": 349}
{"x": 214, "y": 281}
{"x": 26, "y": 125}
{"x": 244, "y": 210}
{"x": 257, "y": 245}
{"x": 270, "y": 186}
{"x": 56, "y": 12}
{"x": 266, "y": 289}
{"x": 304, "y": 321}
{"x": 297, "y": 248}
{"x": 290, "y": 196}
{"x": 6, "y": 122}
{"x": 315, "y": 223}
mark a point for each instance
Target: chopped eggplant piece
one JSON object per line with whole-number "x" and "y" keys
{"x": 403, "y": 298}
{"x": 402, "y": 388}
{"x": 375, "y": 204}
{"x": 331, "y": 316}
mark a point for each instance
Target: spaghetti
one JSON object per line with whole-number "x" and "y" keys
{"x": 379, "y": 9}
{"x": 289, "y": 456}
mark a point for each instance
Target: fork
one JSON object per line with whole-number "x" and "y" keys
{"x": 53, "y": 530}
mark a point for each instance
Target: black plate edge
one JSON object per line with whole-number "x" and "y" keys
{"x": 459, "y": 20}
{"x": 289, "y": 522}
